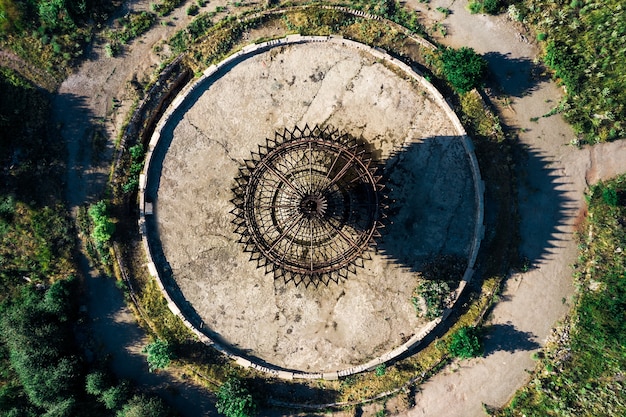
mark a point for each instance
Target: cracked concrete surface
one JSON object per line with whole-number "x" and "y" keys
{"x": 310, "y": 329}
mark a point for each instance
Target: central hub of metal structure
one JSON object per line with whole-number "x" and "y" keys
{"x": 308, "y": 205}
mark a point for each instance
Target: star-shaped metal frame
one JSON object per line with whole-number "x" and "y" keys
{"x": 308, "y": 205}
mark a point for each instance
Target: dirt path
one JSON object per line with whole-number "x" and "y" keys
{"x": 552, "y": 178}
{"x": 96, "y": 99}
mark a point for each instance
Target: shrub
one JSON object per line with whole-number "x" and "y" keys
{"x": 111, "y": 49}
{"x": 192, "y": 10}
{"x": 474, "y": 7}
{"x": 435, "y": 295}
{"x": 103, "y": 226}
{"x": 542, "y": 36}
{"x": 159, "y": 354}
{"x": 235, "y": 400}
{"x": 609, "y": 196}
{"x": 446, "y": 12}
{"x": 463, "y": 68}
{"x": 465, "y": 343}
{"x": 491, "y": 6}
{"x": 381, "y": 370}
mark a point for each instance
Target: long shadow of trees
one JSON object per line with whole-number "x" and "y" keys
{"x": 506, "y": 337}
{"x": 515, "y": 76}
{"x": 545, "y": 210}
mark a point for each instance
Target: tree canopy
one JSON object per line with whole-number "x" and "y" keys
{"x": 463, "y": 68}
{"x": 235, "y": 400}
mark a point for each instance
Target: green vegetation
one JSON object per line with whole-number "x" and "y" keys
{"x": 159, "y": 354}
{"x": 130, "y": 27}
{"x": 585, "y": 49}
{"x": 50, "y": 34}
{"x": 465, "y": 343}
{"x": 165, "y": 7}
{"x": 136, "y": 165}
{"x": 581, "y": 372}
{"x": 392, "y": 10}
{"x": 43, "y": 372}
{"x": 445, "y": 11}
{"x": 35, "y": 233}
{"x": 480, "y": 121}
{"x": 463, "y": 68}
{"x": 437, "y": 280}
{"x": 234, "y": 399}
{"x": 145, "y": 406}
{"x": 484, "y": 6}
{"x": 103, "y": 228}
{"x": 36, "y": 329}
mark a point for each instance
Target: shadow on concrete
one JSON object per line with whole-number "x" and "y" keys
{"x": 545, "y": 211}
{"x": 514, "y": 76}
{"x": 505, "y": 337}
{"x": 431, "y": 203}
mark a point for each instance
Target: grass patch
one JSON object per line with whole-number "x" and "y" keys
{"x": 130, "y": 26}
{"x": 584, "y": 48}
{"x": 581, "y": 372}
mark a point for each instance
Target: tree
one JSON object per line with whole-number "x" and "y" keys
{"x": 235, "y": 400}
{"x": 463, "y": 68}
{"x": 115, "y": 396}
{"x": 159, "y": 354}
{"x": 465, "y": 343}
{"x": 65, "y": 408}
{"x": 96, "y": 383}
{"x": 40, "y": 349}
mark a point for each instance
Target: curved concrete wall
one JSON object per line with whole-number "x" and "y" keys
{"x": 208, "y": 76}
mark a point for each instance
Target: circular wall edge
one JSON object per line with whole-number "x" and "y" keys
{"x": 146, "y": 208}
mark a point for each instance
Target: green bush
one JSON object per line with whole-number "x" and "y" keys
{"x": 474, "y": 7}
{"x": 435, "y": 294}
{"x": 463, "y": 68}
{"x": 491, "y": 6}
{"x": 159, "y": 354}
{"x": 465, "y": 343}
{"x": 609, "y": 195}
{"x": 192, "y": 10}
{"x": 381, "y": 370}
{"x": 235, "y": 400}
{"x": 103, "y": 226}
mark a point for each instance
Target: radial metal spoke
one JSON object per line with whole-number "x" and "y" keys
{"x": 341, "y": 173}
{"x": 293, "y": 198}
{"x": 283, "y": 178}
{"x": 286, "y": 231}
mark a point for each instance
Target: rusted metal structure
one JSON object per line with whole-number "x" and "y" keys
{"x": 308, "y": 205}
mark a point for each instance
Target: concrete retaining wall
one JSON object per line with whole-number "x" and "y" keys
{"x": 145, "y": 207}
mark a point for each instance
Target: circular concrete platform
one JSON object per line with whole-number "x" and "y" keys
{"x": 430, "y": 172}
